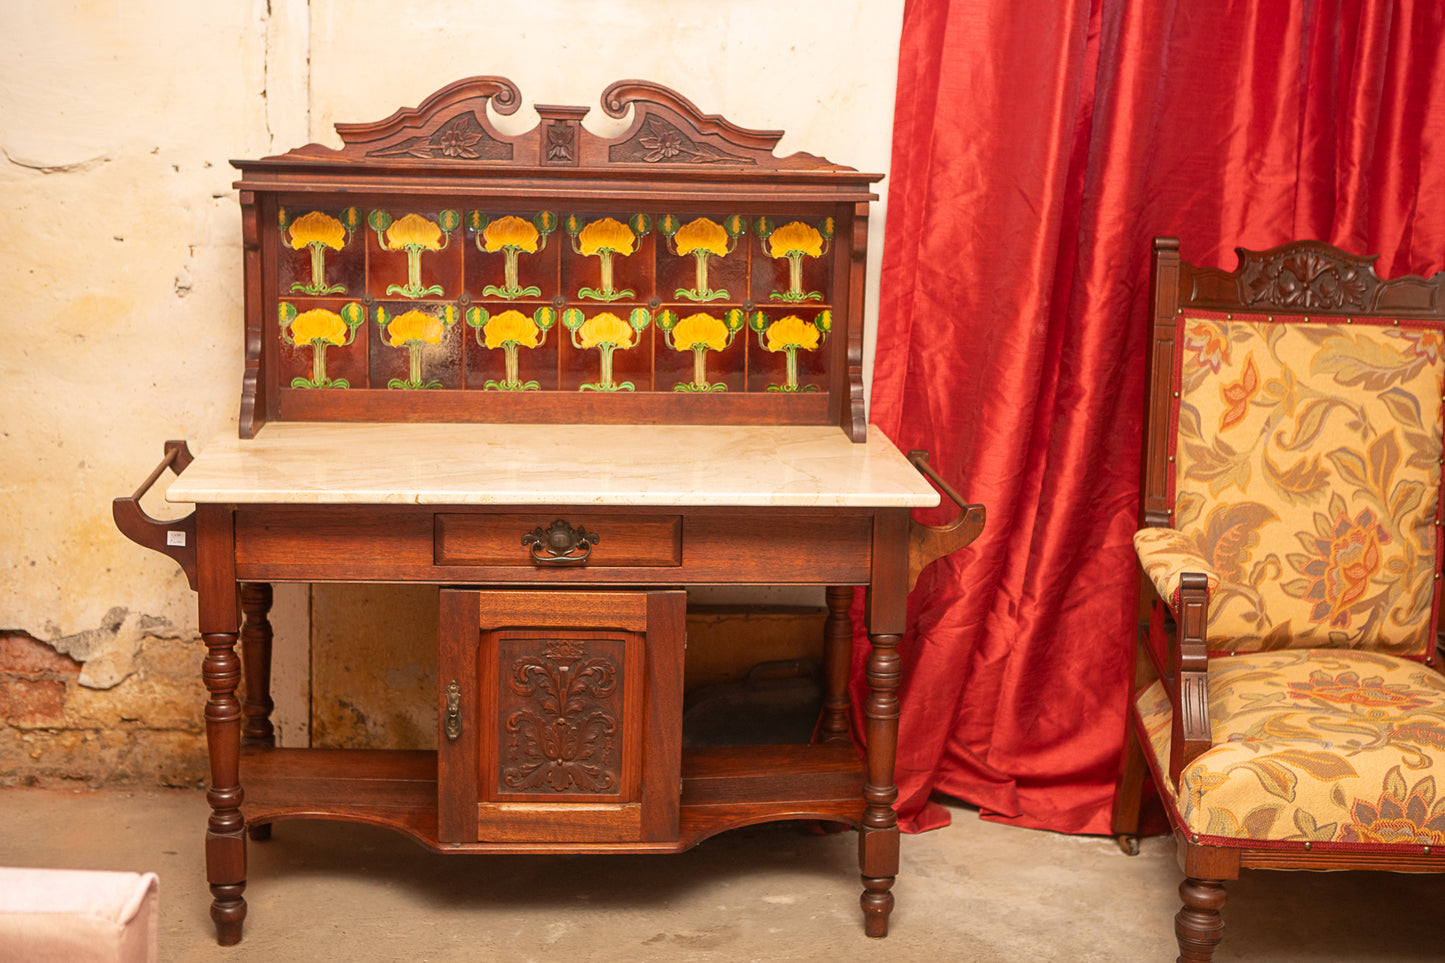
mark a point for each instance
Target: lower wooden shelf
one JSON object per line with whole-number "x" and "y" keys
{"x": 722, "y": 789}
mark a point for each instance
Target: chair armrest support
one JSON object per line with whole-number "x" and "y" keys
{"x": 1184, "y": 578}
{"x": 1189, "y": 674}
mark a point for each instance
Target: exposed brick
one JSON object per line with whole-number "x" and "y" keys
{"x": 32, "y": 703}
{"x": 22, "y": 655}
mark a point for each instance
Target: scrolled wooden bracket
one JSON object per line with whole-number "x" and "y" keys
{"x": 928, "y": 543}
{"x": 176, "y": 538}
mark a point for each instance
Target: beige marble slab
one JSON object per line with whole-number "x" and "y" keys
{"x": 432, "y": 464}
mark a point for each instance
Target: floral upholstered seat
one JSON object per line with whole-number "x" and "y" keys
{"x": 1313, "y": 745}
{"x": 1289, "y": 708}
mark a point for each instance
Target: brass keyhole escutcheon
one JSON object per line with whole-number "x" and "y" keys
{"x": 453, "y": 723}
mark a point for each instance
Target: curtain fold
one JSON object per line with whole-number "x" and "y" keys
{"x": 1037, "y": 150}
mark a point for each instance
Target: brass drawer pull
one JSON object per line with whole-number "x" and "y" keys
{"x": 560, "y": 544}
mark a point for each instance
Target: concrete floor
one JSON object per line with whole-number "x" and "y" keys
{"x": 975, "y": 891}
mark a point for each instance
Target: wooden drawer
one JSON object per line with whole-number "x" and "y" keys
{"x": 543, "y": 540}
{"x": 456, "y": 545}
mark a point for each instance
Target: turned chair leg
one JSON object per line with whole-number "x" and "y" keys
{"x": 1198, "y": 925}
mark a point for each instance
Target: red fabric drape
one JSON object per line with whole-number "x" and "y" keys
{"x": 1038, "y": 147}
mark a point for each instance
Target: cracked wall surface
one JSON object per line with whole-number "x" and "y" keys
{"x": 120, "y": 255}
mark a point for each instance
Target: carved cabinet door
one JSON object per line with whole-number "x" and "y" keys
{"x": 559, "y": 715}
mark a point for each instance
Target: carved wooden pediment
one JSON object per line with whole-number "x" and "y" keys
{"x": 1311, "y": 277}
{"x": 436, "y": 267}
{"x": 453, "y": 128}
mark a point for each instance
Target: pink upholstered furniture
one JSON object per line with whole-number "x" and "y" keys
{"x": 77, "y": 916}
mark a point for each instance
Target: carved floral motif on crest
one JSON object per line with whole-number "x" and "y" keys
{"x": 661, "y": 142}
{"x": 561, "y": 142}
{"x": 461, "y": 138}
{"x": 561, "y": 739}
{"x": 1307, "y": 279}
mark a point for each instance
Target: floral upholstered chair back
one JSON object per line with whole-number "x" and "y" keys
{"x": 1305, "y": 473}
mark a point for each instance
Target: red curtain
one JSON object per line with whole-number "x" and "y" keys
{"x": 1038, "y": 147}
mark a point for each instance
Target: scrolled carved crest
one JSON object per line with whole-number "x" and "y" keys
{"x": 453, "y": 126}
{"x": 1309, "y": 278}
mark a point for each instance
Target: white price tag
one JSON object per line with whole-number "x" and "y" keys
{"x": 176, "y": 538}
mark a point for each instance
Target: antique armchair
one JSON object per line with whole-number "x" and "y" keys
{"x": 1286, "y": 700}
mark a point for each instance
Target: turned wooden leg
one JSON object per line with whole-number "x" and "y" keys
{"x": 256, "y": 636}
{"x": 1198, "y": 924}
{"x": 1129, "y": 792}
{"x": 837, "y": 661}
{"x": 225, "y": 831}
{"x": 878, "y": 837}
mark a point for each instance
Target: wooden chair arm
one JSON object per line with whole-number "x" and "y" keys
{"x": 1188, "y": 674}
{"x": 928, "y": 543}
{"x": 176, "y": 539}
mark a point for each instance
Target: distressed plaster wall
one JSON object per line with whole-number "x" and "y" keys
{"x": 120, "y": 256}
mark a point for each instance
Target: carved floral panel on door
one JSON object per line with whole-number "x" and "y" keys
{"x": 560, "y": 716}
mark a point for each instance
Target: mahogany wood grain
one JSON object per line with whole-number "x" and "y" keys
{"x": 1155, "y": 503}
{"x": 341, "y": 542}
{"x": 886, "y": 602}
{"x": 663, "y": 653}
{"x": 651, "y": 407}
{"x": 878, "y": 836}
{"x": 502, "y": 608}
{"x": 563, "y": 822}
{"x": 1124, "y": 819}
{"x": 256, "y": 395}
{"x": 257, "y": 705}
{"x": 176, "y": 538}
{"x": 256, "y": 641}
{"x": 617, "y": 766}
{"x": 722, "y": 789}
{"x": 623, "y": 540}
{"x": 834, "y": 726}
{"x": 567, "y": 661}
{"x": 928, "y": 543}
{"x": 854, "y": 415}
{"x": 1189, "y": 672}
{"x": 458, "y": 756}
{"x": 885, "y": 607}
{"x": 1198, "y": 925}
{"x": 221, "y": 673}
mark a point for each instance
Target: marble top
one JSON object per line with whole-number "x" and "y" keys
{"x": 476, "y": 464}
